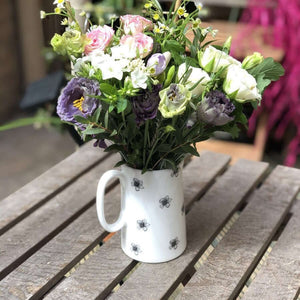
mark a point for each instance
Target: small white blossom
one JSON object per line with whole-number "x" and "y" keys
{"x": 139, "y": 79}
{"x": 198, "y": 4}
{"x": 59, "y": 3}
{"x": 123, "y": 51}
{"x": 42, "y": 14}
{"x": 111, "y": 68}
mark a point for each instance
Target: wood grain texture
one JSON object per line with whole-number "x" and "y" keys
{"x": 21, "y": 241}
{"x": 48, "y": 265}
{"x": 229, "y": 265}
{"x": 21, "y": 203}
{"x": 206, "y": 218}
{"x": 207, "y": 167}
{"x": 98, "y": 275}
{"x": 279, "y": 277}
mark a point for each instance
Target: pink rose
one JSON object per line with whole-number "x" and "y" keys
{"x": 99, "y": 37}
{"x": 134, "y": 24}
{"x": 140, "y": 42}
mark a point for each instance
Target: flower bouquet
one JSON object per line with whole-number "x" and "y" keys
{"x": 142, "y": 88}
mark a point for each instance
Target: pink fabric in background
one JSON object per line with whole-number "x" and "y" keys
{"x": 281, "y": 99}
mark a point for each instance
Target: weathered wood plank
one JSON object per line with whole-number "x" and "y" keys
{"x": 204, "y": 221}
{"x": 47, "y": 266}
{"x": 21, "y": 203}
{"x": 21, "y": 241}
{"x": 100, "y": 273}
{"x": 229, "y": 265}
{"x": 279, "y": 277}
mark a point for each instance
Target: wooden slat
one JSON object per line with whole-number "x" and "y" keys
{"x": 18, "y": 243}
{"x": 102, "y": 271}
{"x": 48, "y": 265}
{"x": 230, "y": 264}
{"x": 204, "y": 221}
{"x": 279, "y": 277}
{"x": 19, "y": 204}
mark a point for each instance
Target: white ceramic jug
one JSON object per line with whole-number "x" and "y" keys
{"x": 152, "y": 217}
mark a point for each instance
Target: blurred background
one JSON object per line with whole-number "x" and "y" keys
{"x": 32, "y": 76}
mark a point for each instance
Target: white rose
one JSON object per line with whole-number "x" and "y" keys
{"x": 196, "y": 75}
{"x": 212, "y": 59}
{"x": 241, "y": 82}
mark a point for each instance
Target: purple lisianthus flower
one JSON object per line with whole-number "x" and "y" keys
{"x": 158, "y": 62}
{"x": 76, "y": 99}
{"x": 215, "y": 109}
{"x": 145, "y": 105}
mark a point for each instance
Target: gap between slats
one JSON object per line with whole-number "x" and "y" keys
{"x": 50, "y": 196}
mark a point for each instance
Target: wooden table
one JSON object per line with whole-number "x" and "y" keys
{"x": 243, "y": 235}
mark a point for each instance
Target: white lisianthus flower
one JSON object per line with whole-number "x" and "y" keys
{"x": 212, "y": 59}
{"x": 241, "y": 85}
{"x": 139, "y": 79}
{"x": 195, "y": 76}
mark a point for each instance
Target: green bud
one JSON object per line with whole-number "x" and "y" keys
{"x": 58, "y": 44}
{"x": 252, "y": 61}
{"x": 170, "y": 76}
{"x": 227, "y": 45}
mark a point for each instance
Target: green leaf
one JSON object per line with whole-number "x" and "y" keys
{"x": 173, "y": 46}
{"x": 108, "y": 89}
{"x": 81, "y": 120}
{"x": 190, "y": 149}
{"x": 111, "y": 108}
{"x": 115, "y": 132}
{"x": 96, "y": 115}
{"x": 120, "y": 163}
{"x": 169, "y": 128}
{"x": 272, "y": 70}
{"x": 232, "y": 129}
{"x": 90, "y": 131}
{"x": 262, "y": 83}
{"x": 106, "y": 119}
{"x": 121, "y": 104}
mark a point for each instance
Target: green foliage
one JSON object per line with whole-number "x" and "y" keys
{"x": 265, "y": 72}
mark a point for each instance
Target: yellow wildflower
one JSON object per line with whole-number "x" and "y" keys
{"x": 156, "y": 17}
{"x": 181, "y": 11}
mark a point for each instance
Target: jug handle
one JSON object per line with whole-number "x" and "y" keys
{"x": 105, "y": 178}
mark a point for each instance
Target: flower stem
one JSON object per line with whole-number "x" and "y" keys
{"x": 146, "y": 133}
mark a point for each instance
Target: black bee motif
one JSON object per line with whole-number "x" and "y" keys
{"x": 174, "y": 244}
{"x": 137, "y": 184}
{"x": 142, "y": 224}
{"x": 165, "y": 202}
{"x": 182, "y": 209}
{"x": 135, "y": 249}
